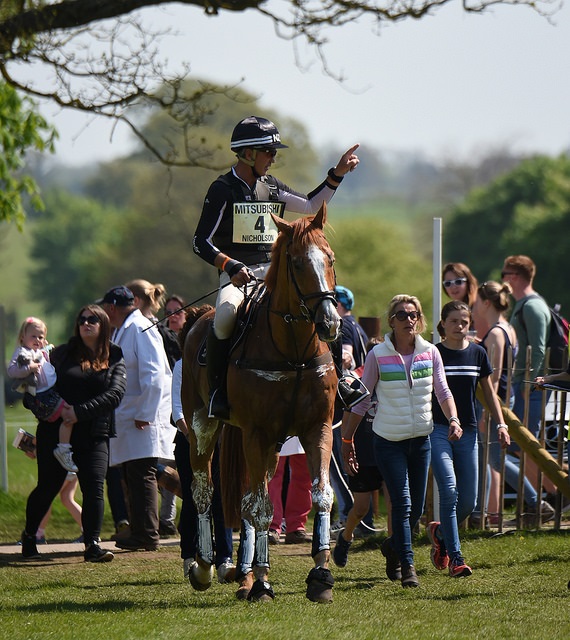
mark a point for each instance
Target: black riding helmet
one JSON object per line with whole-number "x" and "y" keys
{"x": 255, "y": 133}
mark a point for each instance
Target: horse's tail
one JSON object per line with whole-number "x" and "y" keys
{"x": 233, "y": 475}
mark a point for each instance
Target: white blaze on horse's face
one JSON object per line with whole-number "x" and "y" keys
{"x": 327, "y": 320}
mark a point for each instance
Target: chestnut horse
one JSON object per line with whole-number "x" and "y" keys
{"x": 281, "y": 381}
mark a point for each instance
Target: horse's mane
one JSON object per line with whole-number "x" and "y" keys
{"x": 192, "y": 315}
{"x": 304, "y": 234}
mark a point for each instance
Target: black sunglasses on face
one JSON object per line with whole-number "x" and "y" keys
{"x": 88, "y": 320}
{"x": 269, "y": 151}
{"x": 508, "y": 273}
{"x": 456, "y": 282}
{"x": 404, "y": 315}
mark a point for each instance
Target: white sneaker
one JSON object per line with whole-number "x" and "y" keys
{"x": 226, "y": 572}
{"x": 65, "y": 459}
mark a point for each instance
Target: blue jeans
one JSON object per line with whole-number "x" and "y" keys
{"x": 339, "y": 478}
{"x": 404, "y": 466}
{"x": 455, "y": 468}
{"x": 534, "y": 407}
{"x": 512, "y": 470}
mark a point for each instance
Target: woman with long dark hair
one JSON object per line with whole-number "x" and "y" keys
{"x": 91, "y": 378}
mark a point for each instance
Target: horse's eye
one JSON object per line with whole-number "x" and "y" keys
{"x": 297, "y": 262}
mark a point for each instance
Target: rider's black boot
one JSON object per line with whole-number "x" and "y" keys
{"x": 349, "y": 395}
{"x": 216, "y": 368}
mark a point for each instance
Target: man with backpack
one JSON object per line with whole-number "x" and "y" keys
{"x": 531, "y": 320}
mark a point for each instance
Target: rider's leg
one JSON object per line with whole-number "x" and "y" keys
{"x": 217, "y": 361}
{"x": 219, "y": 340}
{"x": 349, "y": 396}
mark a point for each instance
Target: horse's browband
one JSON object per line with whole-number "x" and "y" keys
{"x": 264, "y": 365}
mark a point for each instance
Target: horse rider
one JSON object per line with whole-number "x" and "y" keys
{"x": 235, "y": 233}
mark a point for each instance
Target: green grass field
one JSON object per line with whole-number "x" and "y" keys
{"x": 22, "y": 476}
{"x": 518, "y": 589}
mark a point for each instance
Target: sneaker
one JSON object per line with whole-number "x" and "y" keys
{"x": 297, "y": 537}
{"x": 94, "y": 553}
{"x": 29, "y": 549}
{"x": 273, "y": 536}
{"x": 362, "y": 530}
{"x": 122, "y": 530}
{"x": 409, "y": 576}
{"x": 78, "y": 540}
{"x": 530, "y": 518}
{"x": 393, "y": 566}
{"x": 350, "y": 396}
{"x": 547, "y": 512}
{"x": 438, "y": 553}
{"x": 340, "y": 551}
{"x": 65, "y": 458}
{"x": 336, "y": 528}
{"x": 458, "y": 568}
{"x": 226, "y": 572}
{"x": 167, "y": 529}
{"x": 130, "y": 544}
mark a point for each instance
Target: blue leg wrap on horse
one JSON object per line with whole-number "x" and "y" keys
{"x": 261, "y": 549}
{"x": 321, "y": 532}
{"x": 205, "y": 546}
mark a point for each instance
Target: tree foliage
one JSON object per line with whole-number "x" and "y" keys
{"x": 74, "y": 241}
{"x": 377, "y": 261}
{"x": 21, "y": 129}
{"x": 99, "y": 56}
{"x": 526, "y": 211}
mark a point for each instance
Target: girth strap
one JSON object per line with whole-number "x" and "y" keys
{"x": 265, "y": 365}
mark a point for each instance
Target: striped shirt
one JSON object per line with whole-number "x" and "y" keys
{"x": 463, "y": 370}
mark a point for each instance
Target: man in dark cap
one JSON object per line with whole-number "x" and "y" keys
{"x": 142, "y": 415}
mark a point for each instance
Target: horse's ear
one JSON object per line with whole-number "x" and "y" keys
{"x": 282, "y": 225}
{"x": 321, "y": 217}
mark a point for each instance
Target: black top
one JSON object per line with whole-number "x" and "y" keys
{"x": 215, "y": 230}
{"x": 94, "y": 395}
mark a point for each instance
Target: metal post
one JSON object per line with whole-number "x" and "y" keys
{"x": 436, "y": 296}
{"x": 3, "y": 430}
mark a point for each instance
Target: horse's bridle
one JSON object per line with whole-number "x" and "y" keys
{"x": 307, "y": 313}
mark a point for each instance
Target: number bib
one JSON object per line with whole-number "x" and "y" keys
{"x": 253, "y": 224}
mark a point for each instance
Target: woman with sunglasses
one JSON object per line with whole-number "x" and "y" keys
{"x": 403, "y": 370}
{"x": 459, "y": 283}
{"x": 91, "y": 378}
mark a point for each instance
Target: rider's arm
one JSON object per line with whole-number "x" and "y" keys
{"x": 212, "y": 215}
{"x": 311, "y": 203}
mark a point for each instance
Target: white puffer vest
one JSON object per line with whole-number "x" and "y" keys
{"x": 403, "y": 411}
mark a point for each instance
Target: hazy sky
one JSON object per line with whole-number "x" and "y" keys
{"x": 448, "y": 84}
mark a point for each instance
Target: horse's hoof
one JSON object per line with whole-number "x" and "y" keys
{"x": 245, "y": 584}
{"x": 261, "y": 591}
{"x": 200, "y": 578}
{"x": 319, "y": 585}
